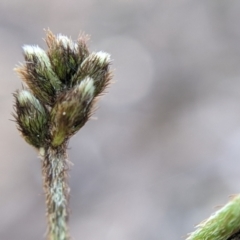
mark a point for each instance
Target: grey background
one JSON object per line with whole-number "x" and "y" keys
{"x": 166, "y": 146}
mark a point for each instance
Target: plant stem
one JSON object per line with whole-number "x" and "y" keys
{"x": 63, "y": 85}
{"x": 54, "y": 170}
{"x": 223, "y": 224}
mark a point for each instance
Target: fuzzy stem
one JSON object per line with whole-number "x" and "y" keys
{"x": 223, "y": 224}
{"x": 54, "y": 167}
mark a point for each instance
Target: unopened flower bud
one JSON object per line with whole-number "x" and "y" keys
{"x": 71, "y": 111}
{"x": 63, "y": 55}
{"x": 38, "y": 74}
{"x": 96, "y": 66}
{"x": 95, "y": 62}
{"x": 31, "y": 118}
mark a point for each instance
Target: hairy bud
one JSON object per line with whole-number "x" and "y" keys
{"x": 71, "y": 111}
{"x": 96, "y": 65}
{"x": 38, "y": 74}
{"x": 31, "y": 118}
{"x": 63, "y": 54}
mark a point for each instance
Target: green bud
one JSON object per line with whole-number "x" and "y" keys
{"x": 38, "y": 74}
{"x": 63, "y": 55}
{"x": 71, "y": 111}
{"x": 31, "y": 118}
{"x": 95, "y": 62}
{"x": 96, "y": 66}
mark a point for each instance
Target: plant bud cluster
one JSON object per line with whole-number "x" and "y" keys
{"x": 62, "y": 84}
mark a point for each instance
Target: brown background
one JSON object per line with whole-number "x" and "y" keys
{"x": 166, "y": 146}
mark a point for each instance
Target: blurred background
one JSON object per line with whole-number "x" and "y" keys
{"x": 165, "y": 149}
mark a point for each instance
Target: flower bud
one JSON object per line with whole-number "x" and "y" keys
{"x": 63, "y": 55}
{"x": 38, "y": 74}
{"x": 96, "y": 66}
{"x": 31, "y": 118}
{"x": 71, "y": 111}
